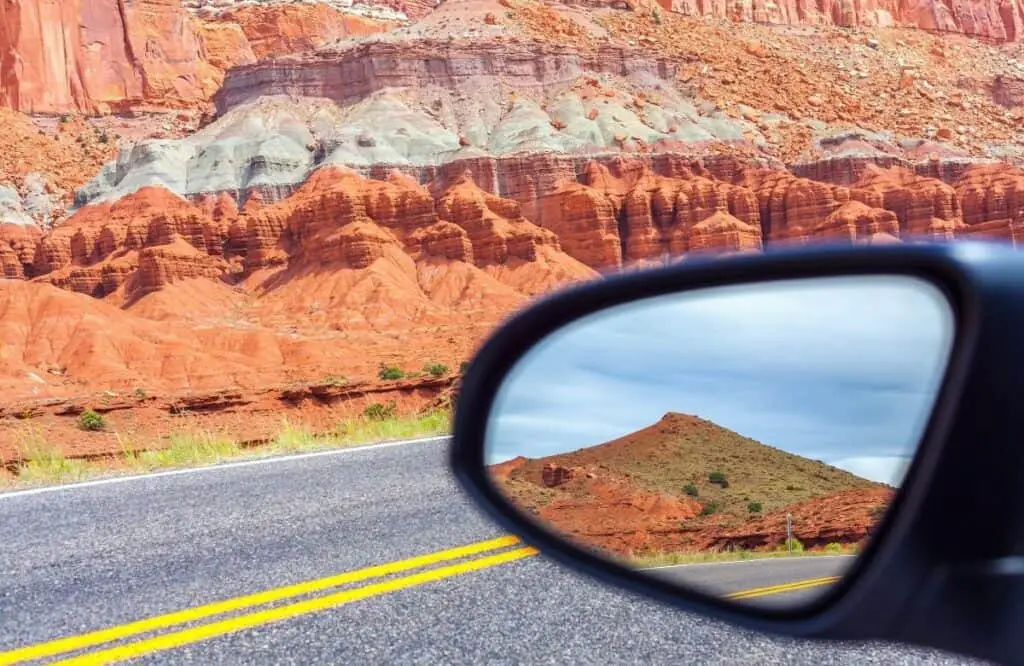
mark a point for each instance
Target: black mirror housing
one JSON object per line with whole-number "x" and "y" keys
{"x": 945, "y": 568}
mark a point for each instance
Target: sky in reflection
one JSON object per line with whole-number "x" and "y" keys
{"x": 843, "y": 370}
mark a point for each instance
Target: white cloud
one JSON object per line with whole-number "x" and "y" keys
{"x": 886, "y": 469}
{"x": 837, "y": 369}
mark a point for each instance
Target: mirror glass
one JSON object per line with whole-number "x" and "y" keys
{"x": 741, "y": 441}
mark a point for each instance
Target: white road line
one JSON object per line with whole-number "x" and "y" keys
{"x": 216, "y": 467}
{"x": 750, "y": 561}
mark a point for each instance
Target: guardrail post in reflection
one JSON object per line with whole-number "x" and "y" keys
{"x": 789, "y": 532}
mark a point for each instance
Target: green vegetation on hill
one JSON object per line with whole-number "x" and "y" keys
{"x": 729, "y": 474}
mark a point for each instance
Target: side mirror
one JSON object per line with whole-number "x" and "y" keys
{"x": 817, "y": 443}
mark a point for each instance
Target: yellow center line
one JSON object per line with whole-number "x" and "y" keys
{"x": 237, "y": 623}
{"x": 784, "y": 587}
{"x": 119, "y": 632}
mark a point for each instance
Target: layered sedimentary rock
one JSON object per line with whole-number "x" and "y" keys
{"x": 992, "y": 200}
{"x": 624, "y": 213}
{"x": 350, "y": 74}
{"x": 509, "y": 140}
{"x": 164, "y": 264}
{"x": 925, "y": 207}
{"x": 97, "y": 251}
{"x": 339, "y": 218}
{"x": 603, "y": 213}
{"x": 855, "y": 221}
{"x": 338, "y": 222}
{"x": 495, "y": 227}
{"x": 17, "y": 248}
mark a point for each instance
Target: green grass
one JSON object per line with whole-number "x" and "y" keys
{"x": 436, "y": 369}
{"x": 190, "y": 446}
{"x": 47, "y": 464}
{"x": 390, "y": 372}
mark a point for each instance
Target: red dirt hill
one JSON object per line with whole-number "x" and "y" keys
{"x": 650, "y": 491}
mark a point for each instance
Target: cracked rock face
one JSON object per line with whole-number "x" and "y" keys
{"x": 100, "y": 55}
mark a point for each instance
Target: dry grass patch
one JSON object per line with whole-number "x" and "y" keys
{"x": 44, "y": 464}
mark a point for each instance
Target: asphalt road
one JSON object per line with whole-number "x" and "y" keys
{"x": 778, "y": 582}
{"x": 119, "y": 558}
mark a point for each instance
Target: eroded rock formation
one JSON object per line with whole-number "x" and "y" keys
{"x": 616, "y": 213}
{"x": 925, "y": 207}
{"x": 992, "y": 200}
{"x": 338, "y": 221}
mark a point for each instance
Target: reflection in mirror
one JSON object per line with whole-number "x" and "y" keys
{"x": 764, "y": 425}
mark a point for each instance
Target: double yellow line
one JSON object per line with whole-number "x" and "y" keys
{"x": 805, "y": 584}
{"x": 219, "y": 627}
{"x": 205, "y": 621}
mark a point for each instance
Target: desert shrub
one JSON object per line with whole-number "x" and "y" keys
{"x": 463, "y": 367}
{"x": 718, "y": 478}
{"x": 90, "y": 420}
{"x": 709, "y": 508}
{"x": 335, "y": 380}
{"x": 435, "y": 369}
{"x": 691, "y": 490}
{"x": 380, "y": 412}
{"x": 834, "y": 548}
{"x": 390, "y": 372}
{"x": 798, "y": 547}
{"x": 754, "y": 507}
{"x": 139, "y": 394}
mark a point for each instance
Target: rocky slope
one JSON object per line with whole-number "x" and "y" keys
{"x": 990, "y": 19}
{"x": 343, "y": 256}
{"x": 651, "y": 492}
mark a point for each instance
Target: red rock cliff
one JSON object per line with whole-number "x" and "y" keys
{"x": 88, "y": 54}
{"x": 993, "y": 19}
{"x": 93, "y": 55}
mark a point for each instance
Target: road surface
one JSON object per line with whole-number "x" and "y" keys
{"x": 312, "y": 560}
{"x": 778, "y": 582}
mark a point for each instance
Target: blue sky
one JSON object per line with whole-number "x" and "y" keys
{"x": 843, "y": 370}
